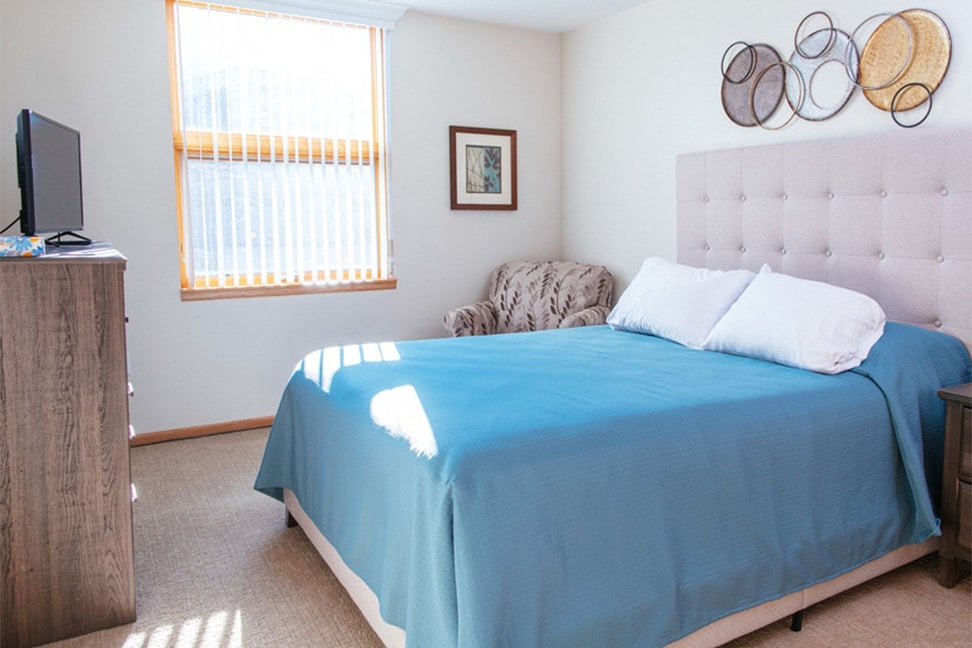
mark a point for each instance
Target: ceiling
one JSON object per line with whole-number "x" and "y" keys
{"x": 542, "y": 15}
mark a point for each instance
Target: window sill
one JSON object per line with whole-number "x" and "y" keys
{"x": 199, "y": 294}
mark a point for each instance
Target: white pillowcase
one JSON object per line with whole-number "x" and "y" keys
{"x": 800, "y": 323}
{"x": 677, "y": 302}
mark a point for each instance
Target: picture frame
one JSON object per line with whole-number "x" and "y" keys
{"x": 482, "y": 164}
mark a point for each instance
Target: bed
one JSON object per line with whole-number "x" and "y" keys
{"x": 598, "y": 486}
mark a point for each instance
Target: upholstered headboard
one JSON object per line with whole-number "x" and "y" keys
{"x": 888, "y": 215}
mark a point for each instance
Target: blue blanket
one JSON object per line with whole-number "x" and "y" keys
{"x": 596, "y": 487}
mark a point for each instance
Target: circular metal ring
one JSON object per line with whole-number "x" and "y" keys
{"x": 752, "y": 92}
{"x": 852, "y": 49}
{"x": 752, "y": 62}
{"x": 808, "y": 68}
{"x": 830, "y": 41}
{"x": 897, "y": 94}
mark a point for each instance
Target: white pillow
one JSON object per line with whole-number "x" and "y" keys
{"x": 800, "y": 323}
{"x": 677, "y": 302}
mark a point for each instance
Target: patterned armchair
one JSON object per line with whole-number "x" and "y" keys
{"x": 535, "y": 295}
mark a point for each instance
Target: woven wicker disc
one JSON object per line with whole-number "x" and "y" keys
{"x": 887, "y": 49}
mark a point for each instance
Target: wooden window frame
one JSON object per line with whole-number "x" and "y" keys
{"x": 231, "y": 147}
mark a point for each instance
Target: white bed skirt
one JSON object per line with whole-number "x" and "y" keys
{"x": 710, "y": 636}
{"x": 360, "y": 593}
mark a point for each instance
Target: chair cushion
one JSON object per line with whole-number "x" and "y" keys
{"x": 536, "y": 295}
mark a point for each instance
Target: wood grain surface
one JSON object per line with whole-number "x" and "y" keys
{"x": 66, "y": 555}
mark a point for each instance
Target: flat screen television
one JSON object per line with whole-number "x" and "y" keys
{"x": 49, "y": 173}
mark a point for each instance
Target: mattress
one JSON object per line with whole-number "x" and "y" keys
{"x": 592, "y": 487}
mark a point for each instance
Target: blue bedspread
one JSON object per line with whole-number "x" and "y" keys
{"x": 596, "y": 487}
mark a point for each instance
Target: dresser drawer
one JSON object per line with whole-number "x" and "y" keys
{"x": 964, "y": 540}
{"x": 965, "y": 462}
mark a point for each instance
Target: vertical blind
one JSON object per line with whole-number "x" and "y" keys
{"x": 279, "y": 137}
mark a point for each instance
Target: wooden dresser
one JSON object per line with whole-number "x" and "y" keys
{"x": 66, "y": 556}
{"x": 956, "y": 541}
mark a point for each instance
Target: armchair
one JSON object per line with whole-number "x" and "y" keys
{"x": 535, "y": 295}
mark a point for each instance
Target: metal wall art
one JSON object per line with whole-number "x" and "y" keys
{"x": 902, "y": 61}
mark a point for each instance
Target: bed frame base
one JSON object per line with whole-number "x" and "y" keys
{"x": 714, "y": 634}
{"x": 796, "y": 623}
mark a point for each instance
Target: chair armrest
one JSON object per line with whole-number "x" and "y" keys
{"x": 474, "y": 319}
{"x": 588, "y": 317}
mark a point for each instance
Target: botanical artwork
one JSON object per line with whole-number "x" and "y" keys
{"x": 484, "y": 169}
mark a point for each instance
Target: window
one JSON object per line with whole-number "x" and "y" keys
{"x": 279, "y": 140}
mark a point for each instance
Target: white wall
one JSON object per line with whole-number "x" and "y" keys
{"x": 644, "y": 85}
{"x": 600, "y": 115}
{"x": 101, "y": 66}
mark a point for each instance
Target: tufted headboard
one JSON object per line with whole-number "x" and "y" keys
{"x": 888, "y": 215}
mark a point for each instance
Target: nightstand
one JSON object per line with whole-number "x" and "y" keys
{"x": 956, "y": 543}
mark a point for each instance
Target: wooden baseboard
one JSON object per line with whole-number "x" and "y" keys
{"x": 200, "y": 431}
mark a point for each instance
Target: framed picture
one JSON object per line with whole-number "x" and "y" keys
{"x": 482, "y": 168}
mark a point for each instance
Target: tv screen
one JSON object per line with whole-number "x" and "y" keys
{"x": 49, "y": 171}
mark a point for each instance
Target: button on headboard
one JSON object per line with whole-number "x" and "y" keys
{"x": 888, "y": 215}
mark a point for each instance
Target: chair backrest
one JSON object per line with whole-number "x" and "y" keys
{"x": 537, "y": 295}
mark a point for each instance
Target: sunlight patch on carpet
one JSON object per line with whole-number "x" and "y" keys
{"x": 218, "y": 630}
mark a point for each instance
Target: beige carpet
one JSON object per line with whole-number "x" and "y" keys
{"x": 216, "y": 567}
